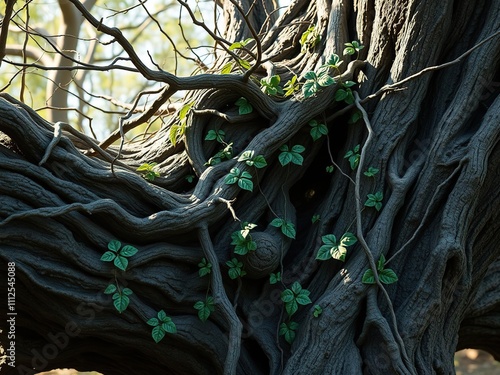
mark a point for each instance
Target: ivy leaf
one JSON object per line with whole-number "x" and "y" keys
{"x": 205, "y": 267}
{"x": 217, "y": 135}
{"x": 381, "y": 262}
{"x": 287, "y": 227}
{"x": 387, "y": 276}
{"x": 375, "y": 200}
{"x": 127, "y": 291}
{"x": 114, "y": 245}
{"x": 128, "y": 251}
{"x": 205, "y": 308}
{"x": 232, "y": 177}
{"x": 368, "y": 277}
{"x": 110, "y": 289}
{"x": 341, "y": 95}
{"x": 274, "y": 278}
{"x": 108, "y": 256}
{"x": 244, "y": 106}
{"x": 158, "y": 334}
{"x": 121, "y": 262}
{"x": 315, "y": 218}
{"x": 355, "y": 117}
{"x": 291, "y": 86}
{"x": 317, "y": 130}
{"x": 334, "y": 61}
{"x": 324, "y": 78}
{"x": 120, "y": 301}
{"x": 291, "y": 156}
{"x": 245, "y": 184}
{"x": 153, "y": 322}
{"x": 371, "y": 172}
{"x": 317, "y": 311}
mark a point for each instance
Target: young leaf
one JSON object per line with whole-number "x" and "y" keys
{"x": 317, "y": 130}
{"x": 244, "y": 106}
{"x": 153, "y": 322}
{"x": 387, "y": 276}
{"x": 334, "y": 61}
{"x": 215, "y": 135}
{"x": 291, "y": 86}
{"x": 317, "y": 311}
{"x": 375, "y": 200}
{"x": 227, "y": 68}
{"x": 205, "y": 267}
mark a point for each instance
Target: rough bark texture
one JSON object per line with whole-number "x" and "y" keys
{"x": 436, "y": 144}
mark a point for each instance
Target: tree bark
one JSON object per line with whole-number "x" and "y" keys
{"x": 435, "y": 141}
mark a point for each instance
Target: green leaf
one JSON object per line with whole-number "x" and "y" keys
{"x": 153, "y": 322}
{"x": 334, "y": 61}
{"x": 285, "y": 158}
{"x": 387, "y": 276}
{"x": 348, "y": 239}
{"x": 245, "y": 184}
{"x": 288, "y": 229}
{"x": 146, "y": 167}
{"x": 120, "y": 302}
{"x": 244, "y": 64}
{"x": 205, "y": 308}
{"x": 325, "y": 80}
{"x": 189, "y": 178}
{"x": 277, "y": 222}
{"x": 303, "y": 298}
{"x": 128, "y": 251}
{"x": 329, "y": 240}
{"x": 375, "y": 200}
{"x": 348, "y": 83}
{"x": 287, "y": 296}
{"x": 121, "y": 262}
{"x": 317, "y": 130}
{"x": 108, "y": 256}
{"x": 274, "y": 277}
{"x": 185, "y": 110}
{"x": 355, "y": 117}
{"x": 232, "y": 177}
{"x": 174, "y": 133}
{"x": 114, "y": 245}
{"x": 291, "y": 86}
{"x": 340, "y": 95}
{"x": 259, "y": 161}
{"x": 291, "y": 307}
{"x": 310, "y": 88}
{"x": 240, "y": 44}
{"x": 317, "y": 311}
{"x": 368, "y": 277}
{"x": 169, "y": 327}
{"x": 227, "y": 68}
{"x": 371, "y": 172}
{"x": 324, "y": 253}
{"x": 246, "y": 155}
{"x": 288, "y": 331}
{"x": 329, "y": 169}
{"x": 110, "y": 289}
{"x": 213, "y": 135}
{"x": 311, "y": 76}
{"x": 296, "y": 288}
{"x": 381, "y": 262}
{"x": 127, "y": 291}
{"x": 315, "y": 218}
{"x": 205, "y": 267}
{"x": 158, "y": 333}
{"x": 244, "y": 106}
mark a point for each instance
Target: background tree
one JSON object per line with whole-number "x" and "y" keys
{"x": 290, "y": 225}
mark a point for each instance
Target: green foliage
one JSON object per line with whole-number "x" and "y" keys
{"x": 291, "y": 156}
{"x": 161, "y": 325}
{"x": 257, "y": 161}
{"x": 240, "y": 44}
{"x": 315, "y": 218}
{"x": 243, "y": 178}
{"x": 120, "y": 297}
{"x": 149, "y": 171}
{"x": 385, "y": 275}
{"x": 375, "y": 200}
{"x": 205, "y": 308}
{"x": 317, "y": 130}
{"x": 330, "y": 169}
{"x": 355, "y": 117}
{"x": 215, "y": 135}
{"x": 190, "y": 178}
{"x": 334, "y": 249}
{"x": 288, "y": 330}
{"x": 118, "y": 254}
{"x": 178, "y": 129}
{"x": 353, "y": 156}
{"x": 291, "y": 86}
{"x": 243, "y": 240}
{"x": 244, "y": 106}
{"x": 334, "y": 61}
{"x": 227, "y": 68}
{"x": 235, "y": 268}
{"x": 205, "y": 267}
{"x": 294, "y": 297}
{"x": 316, "y": 80}
{"x": 225, "y": 154}
{"x": 274, "y": 278}
{"x": 309, "y": 39}
{"x": 287, "y": 227}
{"x": 353, "y": 47}
{"x": 270, "y": 85}
{"x": 317, "y": 311}
{"x": 371, "y": 172}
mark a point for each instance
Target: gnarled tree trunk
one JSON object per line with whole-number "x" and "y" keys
{"x": 436, "y": 144}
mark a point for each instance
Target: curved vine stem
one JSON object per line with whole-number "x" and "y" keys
{"x": 359, "y": 227}
{"x": 220, "y": 296}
